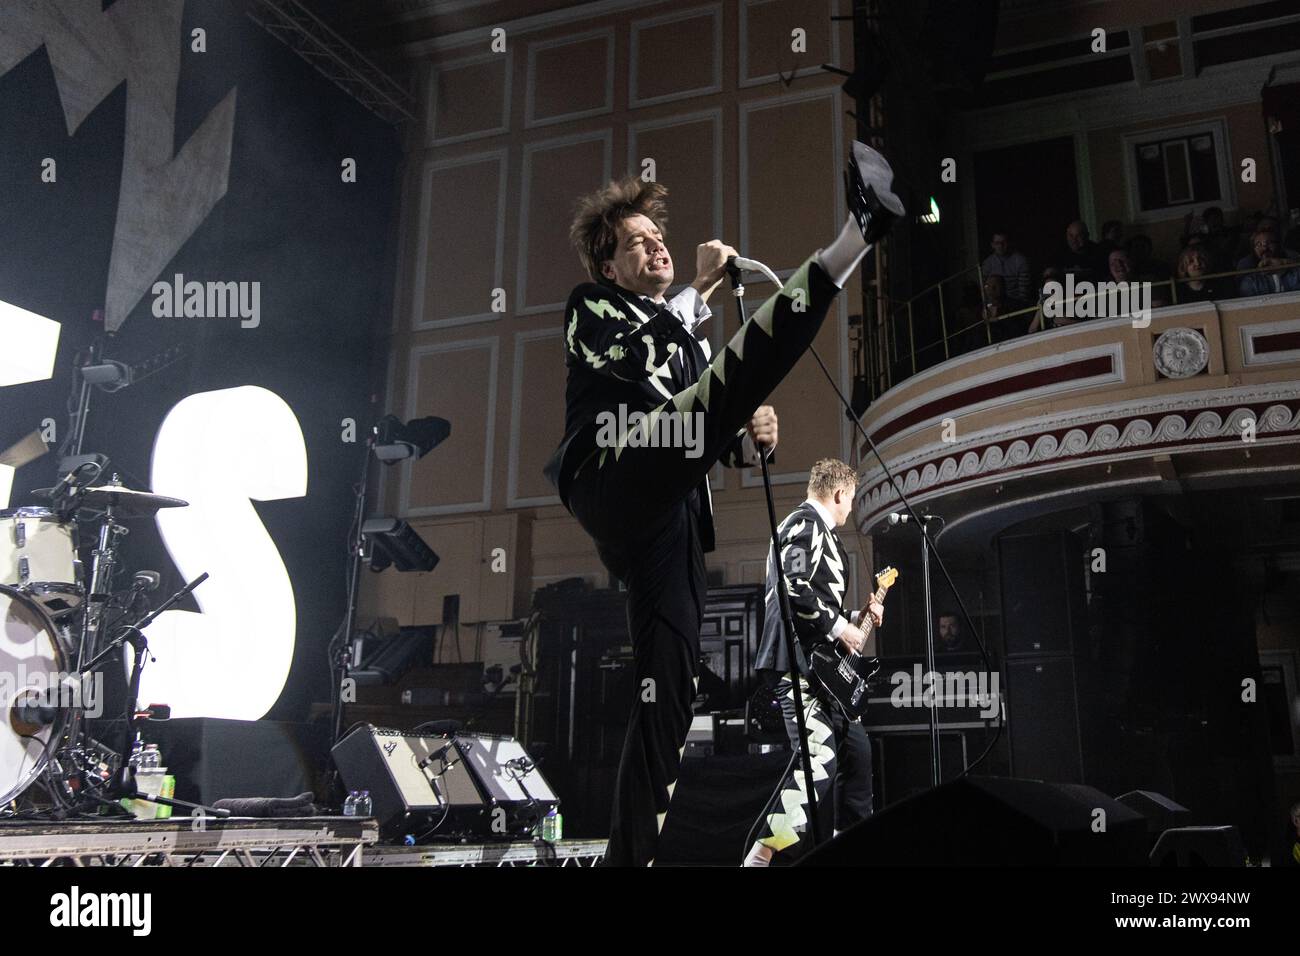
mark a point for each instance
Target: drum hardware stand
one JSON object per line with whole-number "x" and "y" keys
{"x": 122, "y": 784}
{"x": 103, "y": 566}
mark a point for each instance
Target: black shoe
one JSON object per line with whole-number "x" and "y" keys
{"x": 868, "y": 181}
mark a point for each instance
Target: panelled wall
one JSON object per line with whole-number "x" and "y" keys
{"x": 750, "y": 138}
{"x": 1177, "y": 85}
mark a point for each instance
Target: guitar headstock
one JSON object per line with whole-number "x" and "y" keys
{"x": 885, "y": 579}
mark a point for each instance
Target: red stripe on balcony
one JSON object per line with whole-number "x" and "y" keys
{"x": 1082, "y": 368}
{"x": 1277, "y": 342}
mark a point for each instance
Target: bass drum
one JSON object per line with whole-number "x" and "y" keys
{"x": 33, "y": 663}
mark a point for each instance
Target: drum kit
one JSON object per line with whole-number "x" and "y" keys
{"x": 60, "y": 626}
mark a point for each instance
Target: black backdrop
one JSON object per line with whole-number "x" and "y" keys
{"x": 322, "y": 249}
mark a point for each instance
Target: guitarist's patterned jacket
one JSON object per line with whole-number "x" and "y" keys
{"x": 817, "y": 575}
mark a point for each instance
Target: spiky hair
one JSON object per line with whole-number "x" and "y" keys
{"x": 594, "y": 232}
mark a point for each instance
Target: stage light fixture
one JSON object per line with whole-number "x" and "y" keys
{"x": 394, "y": 543}
{"x": 395, "y": 441}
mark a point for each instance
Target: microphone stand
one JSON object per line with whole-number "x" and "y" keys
{"x": 935, "y": 757}
{"x": 122, "y": 785}
{"x": 928, "y": 543}
{"x": 341, "y": 647}
{"x": 783, "y": 600}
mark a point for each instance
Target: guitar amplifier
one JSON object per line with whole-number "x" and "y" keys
{"x": 431, "y": 787}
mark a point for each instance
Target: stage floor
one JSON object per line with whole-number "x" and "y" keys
{"x": 291, "y": 841}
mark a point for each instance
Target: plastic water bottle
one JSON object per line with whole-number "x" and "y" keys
{"x": 350, "y": 804}
{"x": 137, "y": 748}
{"x": 552, "y": 826}
{"x": 364, "y": 806}
{"x": 150, "y": 759}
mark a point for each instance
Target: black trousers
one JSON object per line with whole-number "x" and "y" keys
{"x": 841, "y": 757}
{"x": 636, "y": 503}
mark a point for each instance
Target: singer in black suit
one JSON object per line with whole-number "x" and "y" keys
{"x": 648, "y": 413}
{"x": 816, "y": 569}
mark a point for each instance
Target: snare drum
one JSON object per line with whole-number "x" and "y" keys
{"x": 38, "y": 554}
{"x": 33, "y": 664}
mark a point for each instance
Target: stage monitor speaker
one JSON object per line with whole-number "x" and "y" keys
{"x": 995, "y": 821}
{"x": 433, "y": 787}
{"x": 1199, "y": 846}
{"x": 1161, "y": 813}
{"x": 400, "y": 770}
{"x": 1042, "y": 593}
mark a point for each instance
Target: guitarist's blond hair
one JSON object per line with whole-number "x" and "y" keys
{"x": 828, "y": 474}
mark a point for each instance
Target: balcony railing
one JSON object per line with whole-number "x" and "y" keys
{"x": 958, "y": 334}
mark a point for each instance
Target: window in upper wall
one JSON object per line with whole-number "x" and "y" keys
{"x": 1172, "y": 169}
{"x": 1160, "y": 47}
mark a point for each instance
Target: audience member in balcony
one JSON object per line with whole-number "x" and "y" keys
{"x": 1011, "y": 265}
{"x": 1269, "y": 224}
{"x": 995, "y": 307}
{"x": 1268, "y": 256}
{"x": 1041, "y": 321}
{"x": 1144, "y": 268}
{"x": 1112, "y": 236}
{"x": 1082, "y": 257}
{"x": 1193, "y": 263}
{"x": 1119, "y": 265}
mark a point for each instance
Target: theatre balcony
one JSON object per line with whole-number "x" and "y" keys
{"x": 1206, "y": 396}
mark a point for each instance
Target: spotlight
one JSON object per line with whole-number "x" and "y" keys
{"x": 396, "y": 442}
{"x": 395, "y": 543}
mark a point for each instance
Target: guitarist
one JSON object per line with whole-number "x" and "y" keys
{"x": 816, "y": 571}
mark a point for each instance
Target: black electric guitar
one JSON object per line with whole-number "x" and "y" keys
{"x": 848, "y": 674}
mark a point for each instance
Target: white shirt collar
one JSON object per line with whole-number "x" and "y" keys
{"x": 826, "y": 516}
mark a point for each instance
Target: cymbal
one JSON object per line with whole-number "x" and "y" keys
{"x": 126, "y": 502}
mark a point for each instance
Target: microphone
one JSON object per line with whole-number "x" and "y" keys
{"x": 30, "y": 712}
{"x": 66, "y": 482}
{"x": 146, "y": 580}
{"x": 896, "y": 517}
{"x": 736, "y": 263}
{"x": 437, "y": 755}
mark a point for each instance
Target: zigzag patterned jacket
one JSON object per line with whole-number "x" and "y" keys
{"x": 817, "y": 575}
{"x": 621, "y": 349}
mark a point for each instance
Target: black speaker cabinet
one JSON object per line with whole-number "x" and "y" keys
{"x": 1042, "y": 593}
{"x": 998, "y": 821}
{"x": 1043, "y": 719}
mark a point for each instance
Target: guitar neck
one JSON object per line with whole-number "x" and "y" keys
{"x": 864, "y": 619}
